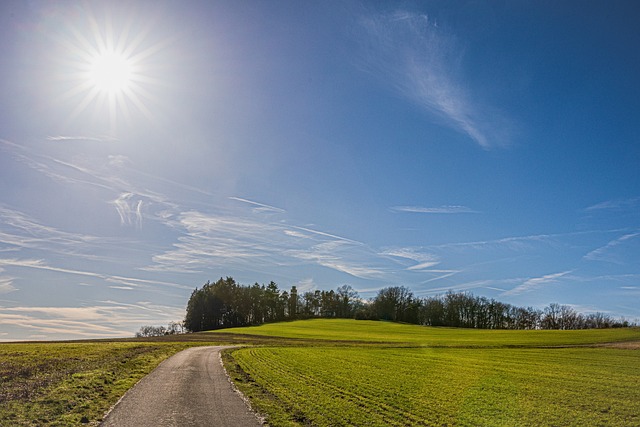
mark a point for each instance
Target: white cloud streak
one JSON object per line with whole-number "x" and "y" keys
{"x": 445, "y": 274}
{"x": 203, "y": 241}
{"x": 296, "y": 234}
{"x": 422, "y": 61}
{"x": 107, "y": 319}
{"x": 259, "y": 207}
{"x": 104, "y": 138}
{"x": 21, "y": 231}
{"x": 493, "y": 284}
{"x": 328, "y": 255}
{"x": 434, "y": 210}
{"x": 6, "y": 284}
{"x": 129, "y": 210}
{"x": 617, "y": 204}
{"x": 107, "y": 176}
{"x": 423, "y": 260}
{"x": 323, "y": 234}
{"x": 24, "y": 237}
{"x": 604, "y": 253}
{"x": 515, "y": 243}
{"x": 209, "y": 240}
{"x": 39, "y": 264}
{"x": 536, "y": 282}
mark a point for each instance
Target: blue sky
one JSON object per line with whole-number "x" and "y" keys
{"x": 489, "y": 147}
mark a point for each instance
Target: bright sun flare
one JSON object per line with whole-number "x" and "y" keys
{"x": 110, "y": 72}
{"x": 106, "y": 68}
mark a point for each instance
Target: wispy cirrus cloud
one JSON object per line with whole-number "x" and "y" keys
{"x": 233, "y": 236}
{"x": 108, "y": 175}
{"x": 616, "y": 204}
{"x": 118, "y": 160}
{"x": 6, "y": 284}
{"x": 49, "y": 167}
{"x": 448, "y": 209}
{"x": 335, "y": 252}
{"x": 608, "y": 252}
{"x": 259, "y": 207}
{"x": 422, "y": 62}
{"x": 536, "y": 282}
{"x": 207, "y": 240}
{"x": 39, "y": 264}
{"x": 516, "y": 243}
{"x": 29, "y": 228}
{"x": 129, "y": 209}
{"x": 103, "y": 138}
{"x": 106, "y": 319}
{"x": 331, "y": 254}
{"x": 296, "y": 234}
{"x": 134, "y": 282}
{"x": 423, "y": 260}
{"x": 322, "y": 234}
{"x": 20, "y": 232}
{"x": 440, "y": 275}
{"x": 619, "y": 279}
{"x": 474, "y": 284}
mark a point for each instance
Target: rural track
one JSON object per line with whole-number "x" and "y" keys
{"x": 190, "y": 388}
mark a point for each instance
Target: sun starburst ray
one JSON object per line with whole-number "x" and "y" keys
{"x": 105, "y": 72}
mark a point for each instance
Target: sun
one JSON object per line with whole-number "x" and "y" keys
{"x": 110, "y": 72}
{"x": 108, "y": 68}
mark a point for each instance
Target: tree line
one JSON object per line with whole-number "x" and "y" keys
{"x": 465, "y": 310}
{"x": 157, "y": 331}
{"x": 225, "y": 304}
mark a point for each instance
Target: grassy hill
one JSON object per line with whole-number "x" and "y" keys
{"x": 366, "y": 331}
{"x": 344, "y": 372}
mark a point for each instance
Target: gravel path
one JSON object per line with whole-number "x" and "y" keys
{"x": 188, "y": 389}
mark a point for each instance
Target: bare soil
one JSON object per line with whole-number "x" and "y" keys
{"x": 629, "y": 345}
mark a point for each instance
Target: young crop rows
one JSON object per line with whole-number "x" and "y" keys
{"x": 333, "y": 386}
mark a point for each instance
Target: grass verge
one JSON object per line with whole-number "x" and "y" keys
{"x": 61, "y": 384}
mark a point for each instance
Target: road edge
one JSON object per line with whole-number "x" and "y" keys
{"x": 262, "y": 419}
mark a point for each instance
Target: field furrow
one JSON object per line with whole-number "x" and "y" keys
{"x": 466, "y": 387}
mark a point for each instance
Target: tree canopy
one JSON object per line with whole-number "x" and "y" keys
{"x": 225, "y": 304}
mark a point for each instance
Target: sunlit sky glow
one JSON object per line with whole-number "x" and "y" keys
{"x": 147, "y": 147}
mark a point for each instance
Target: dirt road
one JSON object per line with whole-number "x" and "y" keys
{"x": 188, "y": 389}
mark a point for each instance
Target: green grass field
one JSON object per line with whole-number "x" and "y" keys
{"x": 334, "y": 386}
{"x": 344, "y": 372}
{"x": 363, "y": 331}
{"x": 380, "y": 374}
